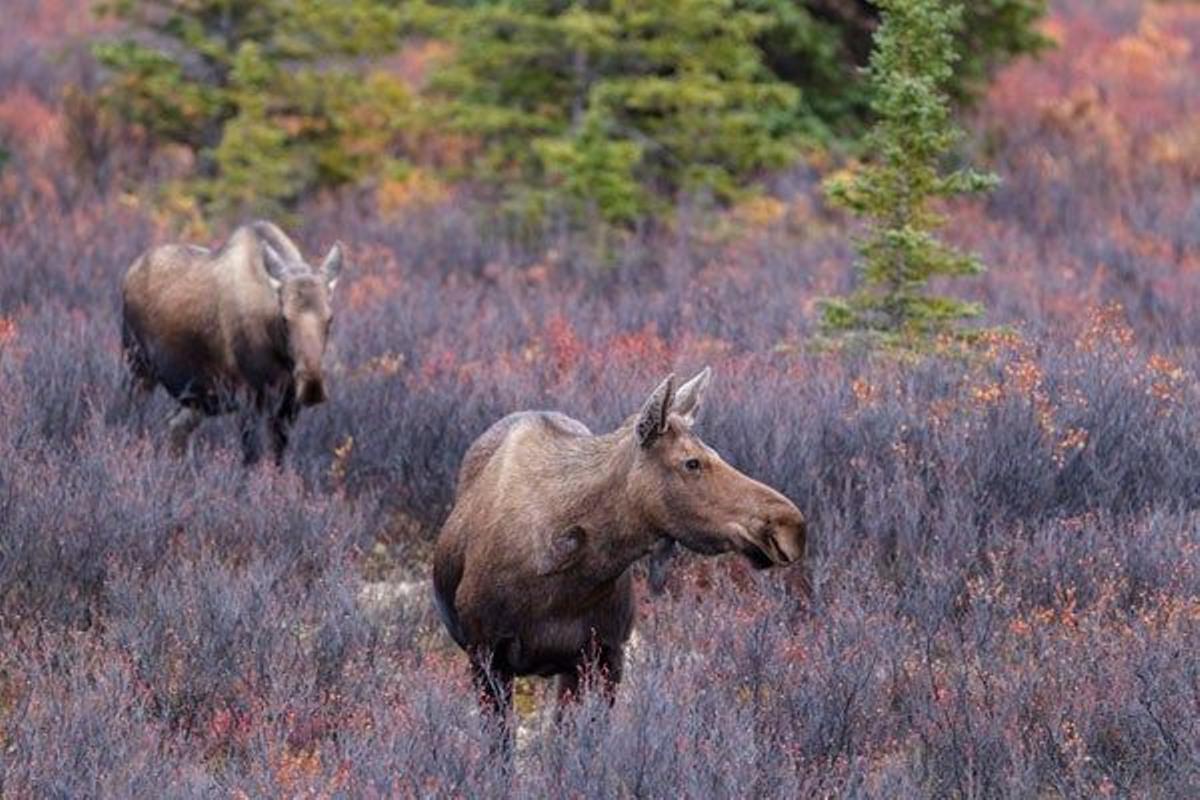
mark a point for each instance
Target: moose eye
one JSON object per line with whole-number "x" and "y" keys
{"x": 692, "y": 465}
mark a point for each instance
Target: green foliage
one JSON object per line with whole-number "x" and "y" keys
{"x": 914, "y": 132}
{"x": 803, "y": 49}
{"x": 267, "y": 93}
{"x": 588, "y": 109}
{"x": 993, "y": 31}
{"x": 615, "y": 107}
{"x": 819, "y": 45}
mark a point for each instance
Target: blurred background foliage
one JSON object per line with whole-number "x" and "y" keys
{"x": 272, "y": 99}
{"x": 575, "y": 111}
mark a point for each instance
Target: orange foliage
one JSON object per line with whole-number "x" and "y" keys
{"x": 760, "y": 212}
{"x": 37, "y": 127}
{"x": 52, "y": 20}
{"x": 414, "y": 63}
{"x": 1107, "y": 328}
{"x": 865, "y": 393}
{"x": 416, "y": 189}
{"x": 564, "y": 347}
{"x": 370, "y": 289}
{"x": 1178, "y": 148}
{"x": 1133, "y": 77}
{"x": 644, "y": 347}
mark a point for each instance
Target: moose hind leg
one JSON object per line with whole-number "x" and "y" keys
{"x": 180, "y": 427}
{"x": 138, "y": 381}
{"x": 141, "y": 374}
{"x": 129, "y": 395}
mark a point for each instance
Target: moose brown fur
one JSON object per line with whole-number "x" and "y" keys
{"x": 531, "y": 569}
{"x": 244, "y": 327}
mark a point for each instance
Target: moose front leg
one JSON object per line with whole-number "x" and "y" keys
{"x": 601, "y": 668}
{"x": 251, "y": 419}
{"x": 494, "y": 685}
{"x": 610, "y": 666}
{"x": 180, "y": 427}
{"x": 568, "y": 690}
{"x": 280, "y": 426}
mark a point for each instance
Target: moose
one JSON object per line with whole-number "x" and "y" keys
{"x": 531, "y": 572}
{"x": 240, "y": 329}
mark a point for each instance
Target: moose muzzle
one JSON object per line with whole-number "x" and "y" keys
{"x": 310, "y": 388}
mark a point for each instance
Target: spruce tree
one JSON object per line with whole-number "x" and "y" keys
{"x": 909, "y": 143}
{"x": 269, "y": 94}
{"x": 611, "y": 109}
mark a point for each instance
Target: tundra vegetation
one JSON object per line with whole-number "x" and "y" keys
{"x": 1003, "y": 562}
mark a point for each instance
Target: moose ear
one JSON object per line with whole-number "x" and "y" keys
{"x": 331, "y": 267}
{"x": 273, "y": 263}
{"x": 652, "y": 420}
{"x": 691, "y": 394}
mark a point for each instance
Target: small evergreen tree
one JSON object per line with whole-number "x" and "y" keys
{"x": 914, "y": 132}
{"x": 267, "y": 93}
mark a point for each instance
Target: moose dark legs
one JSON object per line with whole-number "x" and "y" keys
{"x": 180, "y": 427}
{"x": 280, "y": 425}
{"x": 601, "y": 669}
{"x": 139, "y": 379}
{"x": 192, "y": 412}
{"x": 251, "y": 418}
{"x": 494, "y": 686}
{"x": 610, "y": 665}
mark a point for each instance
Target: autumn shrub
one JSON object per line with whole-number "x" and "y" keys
{"x": 1000, "y": 595}
{"x": 1001, "y": 592}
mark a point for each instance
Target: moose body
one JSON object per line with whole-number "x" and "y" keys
{"x": 242, "y": 328}
{"x": 531, "y": 569}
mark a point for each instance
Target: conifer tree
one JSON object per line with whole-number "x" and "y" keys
{"x": 267, "y": 93}
{"x": 614, "y": 107}
{"x": 909, "y": 143}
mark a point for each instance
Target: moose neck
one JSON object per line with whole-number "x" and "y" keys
{"x": 601, "y": 503}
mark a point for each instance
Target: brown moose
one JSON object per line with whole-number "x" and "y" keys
{"x": 243, "y": 328}
{"x": 531, "y": 569}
